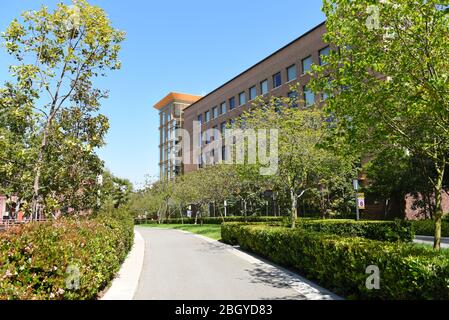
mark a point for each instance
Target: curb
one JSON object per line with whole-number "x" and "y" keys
{"x": 125, "y": 284}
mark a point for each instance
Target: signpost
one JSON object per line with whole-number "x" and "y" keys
{"x": 356, "y": 189}
{"x": 361, "y": 201}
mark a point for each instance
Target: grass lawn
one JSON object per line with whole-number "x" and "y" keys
{"x": 212, "y": 231}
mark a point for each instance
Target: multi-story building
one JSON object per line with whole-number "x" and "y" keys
{"x": 171, "y": 110}
{"x": 275, "y": 75}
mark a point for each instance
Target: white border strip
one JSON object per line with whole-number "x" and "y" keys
{"x": 125, "y": 285}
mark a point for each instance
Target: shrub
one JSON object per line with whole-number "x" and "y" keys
{"x": 375, "y": 230}
{"x": 340, "y": 263}
{"x": 216, "y": 220}
{"x": 427, "y": 228}
{"x": 36, "y": 260}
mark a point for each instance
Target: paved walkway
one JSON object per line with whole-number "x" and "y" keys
{"x": 183, "y": 266}
{"x": 430, "y": 241}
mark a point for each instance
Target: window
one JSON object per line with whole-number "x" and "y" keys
{"x": 223, "y": 128}
{"x": 242, "y": 98}
{"x": 324, "y": 53}
{"x": 177, "y": 111}
{"x": 200, "y": 119}
{"x": 216, "y": 133}
{"x": 291, "y": 73}
{"x": 252, "y": 93}
{"x": 277, "y": 80}
{"x": 277, "y": 105}
{"x": 215, "y": 112}
{"x": 293, "y": 96}
{"x": 207, "y": 116}
{"x": 232, "y": 103}
{"x": 326, "y": 95}
{"x": 223, "y": 108}
{"x": 309, "y": 96}
{"x": 307, "y": 64}
{"x": 264, "y": 87}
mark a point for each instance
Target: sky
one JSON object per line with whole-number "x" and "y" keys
{"x": 185, "y": 46}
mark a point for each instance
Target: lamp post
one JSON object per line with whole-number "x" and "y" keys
{"x": 225, "y": 208}
{"x": 355, "y": 183}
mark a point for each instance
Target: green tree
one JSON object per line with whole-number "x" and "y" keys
{"x": 115, "y": 192}
{"x": 59, "y": 54}
{"x": 389, "y": 78}
{"x": 303, "y": 163}
{"x": 17, "y": 142}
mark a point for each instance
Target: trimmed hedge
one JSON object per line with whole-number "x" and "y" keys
{"x": 427, "y": 228}
{"x": 340, "y": 263}
{"x": 216, "y": 220}
{"x": 37, "y": 261}
{"x": 375, "y": 230}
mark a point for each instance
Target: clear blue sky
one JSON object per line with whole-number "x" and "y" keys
{"x": 177, "y": 45}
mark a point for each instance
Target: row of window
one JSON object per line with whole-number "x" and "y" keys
{"x": 170, "y": 113}
{"x": 309, "y": 97}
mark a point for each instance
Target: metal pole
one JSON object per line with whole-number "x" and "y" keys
{"x": 225, "y": 208}
{"x": 356, "y": 189}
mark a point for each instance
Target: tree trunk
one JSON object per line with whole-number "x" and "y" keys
{"x": 294, "y": 210}
{"x": 38, "y": 169}
{"x": 180, "y": 212}
{"x": 438, "y": 205}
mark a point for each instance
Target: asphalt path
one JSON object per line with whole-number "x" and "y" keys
{"x": 183, "y": 266}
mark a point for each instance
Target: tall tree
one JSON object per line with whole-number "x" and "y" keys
{"x": 390, "y": 78}
{"x": 303, "y": 163}
{"x": 59, "y": 55}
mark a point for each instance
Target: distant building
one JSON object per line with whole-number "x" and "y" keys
{"x": 171, "y": 117}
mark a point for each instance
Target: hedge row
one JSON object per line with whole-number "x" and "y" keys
{"x": 375, "y": 230}
{"x": 427, "y": 228}
{"x": 340, "y": 263}
{"x": 63, "y": 260}
{"x": 215, "y": 220}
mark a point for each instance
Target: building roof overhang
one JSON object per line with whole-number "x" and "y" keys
{"x": 175, "y": 96}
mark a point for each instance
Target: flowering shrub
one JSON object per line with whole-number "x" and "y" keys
{"x": 64, "y": 259}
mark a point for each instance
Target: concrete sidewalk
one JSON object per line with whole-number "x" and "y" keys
{"x": 125, "y": 284}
